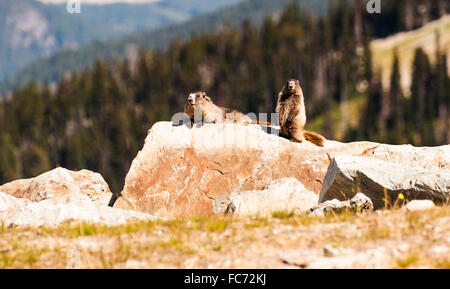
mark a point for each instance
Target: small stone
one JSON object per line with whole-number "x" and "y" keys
{"x": 361, "y": 203}
{"x": 439, "y": 250}
{"x": 358, "y": 204}
{"x": 419, "y": 205}
{"x": 5, "y": 249}
{"x": 329, "y": 251}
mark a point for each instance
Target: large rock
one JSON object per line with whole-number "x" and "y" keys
{"x": 380, "y": 179}
{"x": 61, "y": 185}
{"x": 60, "y": 196}
{"x": 22, "y": 212}
{"x": 182, "y": 171}
{"x": 286, "y": 194}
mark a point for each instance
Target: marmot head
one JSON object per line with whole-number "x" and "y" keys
{"x": 291, "y": 86}
{"x": 198, "y": 97}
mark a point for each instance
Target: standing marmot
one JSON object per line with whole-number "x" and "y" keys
{"x": 212, "y": 113}
{"x": 292, "y": 114}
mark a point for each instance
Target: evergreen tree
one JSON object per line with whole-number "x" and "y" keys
{"x": 395, "y": 120}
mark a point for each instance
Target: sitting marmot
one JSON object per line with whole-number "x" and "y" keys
{"x": 292, "y": 114}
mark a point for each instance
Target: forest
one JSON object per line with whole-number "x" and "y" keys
{"x": 98, "y": 118}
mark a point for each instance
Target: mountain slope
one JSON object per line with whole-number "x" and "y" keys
{"x": 51, "y": 68}
{"x": 31, "y": 29}
{"x": 383, "y": 51}
{"x": 406, "y": 43}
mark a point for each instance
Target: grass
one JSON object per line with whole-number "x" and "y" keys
{"x": 407, "y": 261}
{"x": 443, "y": 264}
{"x": 282, "y": 215}
{"x": 228, "y": 242}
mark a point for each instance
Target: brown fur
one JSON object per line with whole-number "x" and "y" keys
{"x": 212, "y": 113}
{"x": 292, "y": 114}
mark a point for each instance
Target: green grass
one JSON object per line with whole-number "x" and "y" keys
{"x": 282, "y": 215}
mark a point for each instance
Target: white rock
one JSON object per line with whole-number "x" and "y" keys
{"x": 61, "y": 186}
{"x": 419, "y": 205}
{"x": 22, "y": 212}
{"x": 287, "y": 194}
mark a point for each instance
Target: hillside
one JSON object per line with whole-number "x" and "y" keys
{"x": 30, "y": 29}
{"x": 51, "y": 68}
{"x": 406, "y": 43}
{"x": 383, "y": 51}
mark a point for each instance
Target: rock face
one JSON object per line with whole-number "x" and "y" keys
{"x": 358, "y": 204}
{"x": 61, "y": 185}
{"x": 58, "y": 196}
{"x": 378, "y": 179}
{"x": 286, "y": 194}
{"x": 185, "y": 171}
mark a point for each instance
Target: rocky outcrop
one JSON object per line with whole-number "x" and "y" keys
{"x": 358, "y": 204}
{"x": 184, "y": 171}
{"x": 380, "y": 180}
{"x": 287, "y": 195}
{"x": 61, "y": 185}
{"x": 61, "y": 195}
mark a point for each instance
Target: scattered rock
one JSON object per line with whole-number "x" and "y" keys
{"x": 358, "y": 204}
{"x": 419, "y": 205}
{"x": 182, "y": 171}
{"x": 286, "y": 194}
{"x": 378, "y": 179}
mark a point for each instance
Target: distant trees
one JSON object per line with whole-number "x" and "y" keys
{"x": 98, "y": 118}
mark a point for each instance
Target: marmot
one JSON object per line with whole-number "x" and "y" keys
{"x": 212, "y": 113}
{"x": 292, "y": 114}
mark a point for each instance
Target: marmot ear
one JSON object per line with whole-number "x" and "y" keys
{"x": 298, "y": 82}
{"x": 208, "y": 98}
